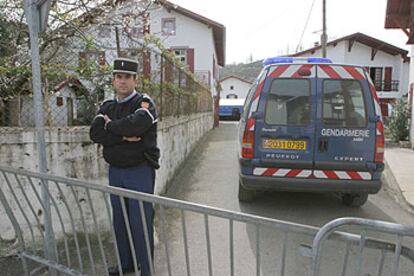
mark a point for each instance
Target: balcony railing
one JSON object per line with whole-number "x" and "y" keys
{"x": 387, "y": 86}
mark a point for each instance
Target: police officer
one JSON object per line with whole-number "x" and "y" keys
{"x": 127, "y": 129}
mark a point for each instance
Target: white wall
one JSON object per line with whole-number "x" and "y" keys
{"x": 55, "y": 115}
{"x": 240, "y": 88}
{"x": 412, "y": 107}
{"x": 189, "y": 34}
{"x": 70, "y": 153}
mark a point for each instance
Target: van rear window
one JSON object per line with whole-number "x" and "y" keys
{"x": 288, "y": 102}
{"x": 343, "y": 104}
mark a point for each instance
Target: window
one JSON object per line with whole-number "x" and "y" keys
{"x": 343, "y": 104}
{"x": 168, "y": 26}
{"x": 376, "y": 75}
{"x": 288, "y": 102}
{"x": 231, "y": 96}
{"x": 59, "y": 101}
{"x": 92, "y": 56}
{"x": 136, "y": 32}
{"x": 181, "y": 55}
{"x": 250, "y": 94}
{"x": 231, "y": 87}
{"x": 249, "y": 97}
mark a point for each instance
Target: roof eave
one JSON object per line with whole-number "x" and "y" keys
{"x": 219, "y": 30}
{"x": 360, "y": 37}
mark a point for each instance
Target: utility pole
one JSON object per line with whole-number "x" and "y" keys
{"x": 324, "y": 36}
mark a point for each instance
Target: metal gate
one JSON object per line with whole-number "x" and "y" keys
{"x": 193, "y": 239}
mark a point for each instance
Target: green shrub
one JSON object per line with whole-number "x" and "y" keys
{"x": 398, "y": 124}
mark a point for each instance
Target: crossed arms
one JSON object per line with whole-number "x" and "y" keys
{"x": 110, "y": 132}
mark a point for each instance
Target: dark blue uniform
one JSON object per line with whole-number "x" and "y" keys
{"x": 131, "y": 167}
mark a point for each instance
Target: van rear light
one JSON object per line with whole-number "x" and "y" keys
{"x": 379, "y": 143}
{"x": 248, "y": 140}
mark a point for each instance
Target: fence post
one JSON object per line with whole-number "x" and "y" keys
{"x": 161, "y": 86}
{"x": 32, "y": 16}
{"x": 179, "y": 93}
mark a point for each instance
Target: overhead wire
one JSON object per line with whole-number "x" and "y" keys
{"x": 306, "y": 25}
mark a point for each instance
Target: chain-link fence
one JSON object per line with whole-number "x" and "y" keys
{"x": 76, "y": 61}
{"x": 70, "y": 102}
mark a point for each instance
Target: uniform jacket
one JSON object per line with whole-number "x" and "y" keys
{"x": 128, "y": 119}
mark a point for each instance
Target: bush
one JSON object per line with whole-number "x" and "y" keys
{"x": 398, "y": 124}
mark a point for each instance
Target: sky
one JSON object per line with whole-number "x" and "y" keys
{"x": 264, "y": 28}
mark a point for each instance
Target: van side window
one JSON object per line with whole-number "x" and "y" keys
{"x": 343, "y": 104}
{"x": 249, "y": 97}
{"x": 288, "y": 102}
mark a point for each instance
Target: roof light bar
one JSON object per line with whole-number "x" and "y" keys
{"x": 275, "y": 60}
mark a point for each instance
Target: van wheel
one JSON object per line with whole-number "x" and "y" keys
{"x": 354, "y": 200}
{"x": 246, "y": 195}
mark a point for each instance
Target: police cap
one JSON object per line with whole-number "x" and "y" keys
{"x": 126, "y": 66}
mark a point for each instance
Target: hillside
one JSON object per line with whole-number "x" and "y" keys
{"x": 248, "y": 71}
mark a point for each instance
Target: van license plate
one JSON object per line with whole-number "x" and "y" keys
{"x": 284, "y": 144}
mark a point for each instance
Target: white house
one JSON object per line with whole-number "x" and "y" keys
{"x": 62, "y": 108}
{"x": 198, "y": 41}
{"x": 387, "y": 65}
{"x": 234, "y": 87}
{"x": 400, "y": 15}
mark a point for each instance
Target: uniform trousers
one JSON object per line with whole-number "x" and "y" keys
{"x": 140, "y": 178}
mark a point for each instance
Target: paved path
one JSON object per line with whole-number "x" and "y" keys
{"x": 400, "y": 161}
{"x": 210, "y": 177}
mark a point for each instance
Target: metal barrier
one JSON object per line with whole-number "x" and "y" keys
{"x": 364, "y": 225}
{"x": 194, "y": 239}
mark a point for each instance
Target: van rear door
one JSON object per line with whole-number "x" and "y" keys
{"x": 285, "y": 126}
{"x": 345, "y": 131}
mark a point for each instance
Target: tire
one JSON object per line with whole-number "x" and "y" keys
{"x": 246, "y": 195}
{"x": 354, "y": 200}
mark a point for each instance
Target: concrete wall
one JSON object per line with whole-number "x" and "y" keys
{"x": 70, "y": 153}
{"x": 412, "y": 106}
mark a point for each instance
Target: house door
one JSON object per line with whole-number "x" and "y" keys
{"x": 69, "y": 102}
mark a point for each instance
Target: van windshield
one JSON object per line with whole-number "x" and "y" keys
{"x": 288, "y": 102}
{"x": 343, "y": 104}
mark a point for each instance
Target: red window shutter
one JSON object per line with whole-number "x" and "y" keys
{"x": 147, "y": 64}
{"x": 168, "y": 71}
{"x": 387, "y": 78}
{"x": 190, "y": 59}
{"x": 214, "y": 67}
{"x": 384, "y": 108}
{"x": 101, "y": 58}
